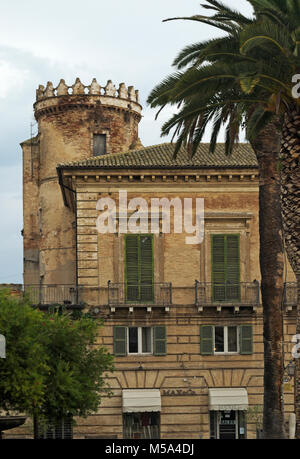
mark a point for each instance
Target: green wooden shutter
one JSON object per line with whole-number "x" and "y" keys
{"x": 132, "y": 267}
{"x": 120, "y": 341}
{"x": 218, "y": 268}
{"x": 225, "y": 267}
{"x": 233, "y": 267}
{"x": 206, "y": 340}
{"x": 146, "y": 268}
{"x": 139, "y": 267}
{"x": 159, "y": 340}
{"x": 246, "y": 339}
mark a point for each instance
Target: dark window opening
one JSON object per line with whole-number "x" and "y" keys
{"x": 133, "y": 340}
{"x": 141, "y": 425}
{"x": 139, "y": 340}
{"x": 99, "y": 144}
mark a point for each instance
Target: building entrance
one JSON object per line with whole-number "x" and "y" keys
{"x": 227, "y": 425}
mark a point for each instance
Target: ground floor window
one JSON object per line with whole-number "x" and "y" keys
{"x": 227, "y": 425}
{"x": 141, "y": 425}
{"x": 63, "y": 430}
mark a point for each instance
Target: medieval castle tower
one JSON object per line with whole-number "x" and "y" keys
{"x": 74, "y": 123}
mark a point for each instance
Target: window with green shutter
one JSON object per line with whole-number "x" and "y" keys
{"x": 139, "y": 267}
{"x": 206, "y": 340}
{"x": 246, "y": 339}
{"x": 219, "y": 339}
{"x": 225, "y": 256}
{"x": 120, "y": 341}
{"x": 140, "y": 340}
{"x": 159, "y": 340}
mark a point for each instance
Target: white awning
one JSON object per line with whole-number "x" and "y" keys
{"x": 141, "y": 400}
{"x": 228, "y": 399}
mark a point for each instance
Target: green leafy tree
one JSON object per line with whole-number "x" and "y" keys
{"x": 54, "y": 369}
{"x": 76, "y": 365}
{"x": 245, "y": 79}
{"x": 23, "y": 371}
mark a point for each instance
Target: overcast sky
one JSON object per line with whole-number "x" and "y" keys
{"x": 40, "y": 41}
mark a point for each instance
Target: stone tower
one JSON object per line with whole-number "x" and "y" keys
{"x": 74, "y": 123}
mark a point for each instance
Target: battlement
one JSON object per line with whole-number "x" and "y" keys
{"x": 51, "y": 100}
{"x": 94, "y": 89}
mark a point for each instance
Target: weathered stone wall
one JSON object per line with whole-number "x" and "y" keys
{"x": 68, "y": 117}
{"x": 31, "y": 213}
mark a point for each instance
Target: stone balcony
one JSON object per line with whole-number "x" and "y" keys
{"x": 138, "y": 296}
{"x": 229, "y": 295}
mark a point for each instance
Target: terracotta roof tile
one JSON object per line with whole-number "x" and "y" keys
{"x": 161, "y": 156}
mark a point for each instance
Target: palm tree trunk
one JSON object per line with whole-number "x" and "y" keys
{"x": 266, "y": 147}
{"x": 290, "y": 203}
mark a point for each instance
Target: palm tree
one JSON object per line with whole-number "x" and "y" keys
{"x": 242, "y": 83}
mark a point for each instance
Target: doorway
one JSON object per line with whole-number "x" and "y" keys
{"x": 227, "y": 425}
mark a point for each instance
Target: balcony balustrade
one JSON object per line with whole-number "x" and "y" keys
{"x": 129, "y": 295}
{"x": 217, "y": 295}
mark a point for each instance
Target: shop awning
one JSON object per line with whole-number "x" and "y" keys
{"x": 141, "y": 400}
{"x": 228, "y": 399}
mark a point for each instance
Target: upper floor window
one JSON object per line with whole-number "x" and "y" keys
{"x": 226, "y": 339}
{"x": 229, "y": 339}
{"x": 225, "y": 254}
{"x": 99, "y": 144}
{"x": 139, "y": 267}
{"x": 140, "y": 340}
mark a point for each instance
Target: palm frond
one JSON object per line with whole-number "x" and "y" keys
{"x": 224, "y": 12}
{"x": 218, "y": 24}
{"x": 277, "y": 37}
{"x": 161, "y": 94}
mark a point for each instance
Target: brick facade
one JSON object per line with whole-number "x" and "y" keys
{"x": 62, "y": 246}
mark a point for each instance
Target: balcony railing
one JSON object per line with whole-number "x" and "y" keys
{"x": 139, "y": 295}
{"x": 52, "y": 294}
{"x": 243, "y": 294}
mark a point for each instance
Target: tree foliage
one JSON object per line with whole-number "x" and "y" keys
{"x": 243, "y": 79}
{"x": 54, "y": 367}
{"x": 23, "y": 371}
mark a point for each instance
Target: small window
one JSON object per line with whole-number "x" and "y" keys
{"x": 139, "y": 340}
{"x": 99, "y": 144}
{"x": 231, "y": 339}
{"x": 226, "y": 340}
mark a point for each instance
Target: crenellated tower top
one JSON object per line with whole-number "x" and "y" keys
{"x": 50, "y": 99}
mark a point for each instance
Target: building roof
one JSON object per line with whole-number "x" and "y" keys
{"x": 161, "y": 157}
